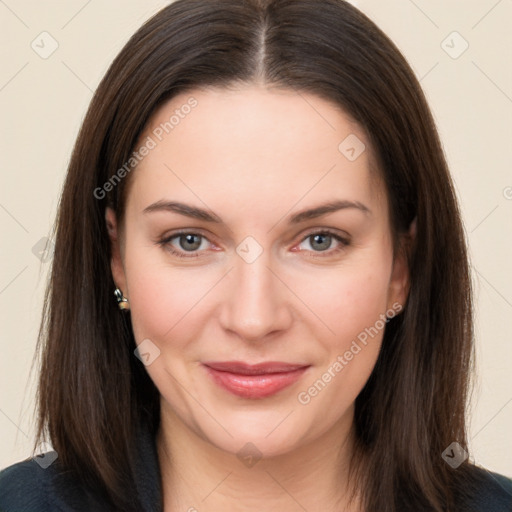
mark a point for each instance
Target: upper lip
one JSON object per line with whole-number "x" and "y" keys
{"x": 242, "y": 368}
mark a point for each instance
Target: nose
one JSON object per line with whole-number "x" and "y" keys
{"x": 257, "y": 304}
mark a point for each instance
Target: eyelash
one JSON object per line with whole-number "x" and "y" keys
{"x": 344, "y": 242}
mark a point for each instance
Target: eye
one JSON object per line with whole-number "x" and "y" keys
{"x": 187, "y": 244}
{"x": 322, "y": 241}
{"x": 184, "y": 244}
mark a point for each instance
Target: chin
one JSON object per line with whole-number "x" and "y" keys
{"x": 269, "y": 433}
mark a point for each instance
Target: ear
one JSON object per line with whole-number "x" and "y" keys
{"x": 116, "y": 263}
{"x": 400, "y": 276}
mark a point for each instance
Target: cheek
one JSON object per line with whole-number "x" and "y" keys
{"x": 353, "y": 306}
{"x": 163, "y": 300}
{"x": 346, "y": 300}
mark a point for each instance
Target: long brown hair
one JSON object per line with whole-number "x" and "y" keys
{"x": 93, "y": 392}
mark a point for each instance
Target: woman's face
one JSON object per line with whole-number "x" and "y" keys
{"x": 229, "y": 259}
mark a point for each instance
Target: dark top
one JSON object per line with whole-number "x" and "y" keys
{"x": 30, "y": 487}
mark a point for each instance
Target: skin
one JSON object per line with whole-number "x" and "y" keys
{"x": 254, "y": 156}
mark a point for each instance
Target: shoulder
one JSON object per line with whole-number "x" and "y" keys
{"x": 41, "y": 484}
{"x": 22, "y": 487}
{"x": 486, "y": 491}
{"x": 45, "y": 484}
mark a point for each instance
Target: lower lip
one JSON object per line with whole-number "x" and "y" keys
{"x": 255, "y": 386}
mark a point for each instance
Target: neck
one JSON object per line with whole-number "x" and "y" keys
{"x": 198, "y": 476}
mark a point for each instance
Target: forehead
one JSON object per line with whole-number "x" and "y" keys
{"x": 255, "y": 144}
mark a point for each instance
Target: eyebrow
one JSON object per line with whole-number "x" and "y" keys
{"x": 201, "y": 214}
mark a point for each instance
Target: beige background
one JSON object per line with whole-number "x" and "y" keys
{"x": 43, "y": 102}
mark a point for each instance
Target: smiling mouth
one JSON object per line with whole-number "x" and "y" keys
{"x": 254, "y": 381}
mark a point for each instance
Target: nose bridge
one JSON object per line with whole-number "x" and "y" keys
{"x": 256, "y": 303}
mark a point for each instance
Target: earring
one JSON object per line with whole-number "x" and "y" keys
{"x": 122, "y": 301}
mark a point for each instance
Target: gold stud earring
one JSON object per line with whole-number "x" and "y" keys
{"x": 122, "y": 301}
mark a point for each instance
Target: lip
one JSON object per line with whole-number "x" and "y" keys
{"x": 254, "y": 381}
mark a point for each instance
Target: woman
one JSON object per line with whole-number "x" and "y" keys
{"x": 260, "y": 296}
